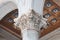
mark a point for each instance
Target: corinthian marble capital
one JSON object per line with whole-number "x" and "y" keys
{"x": 31, "y": 21}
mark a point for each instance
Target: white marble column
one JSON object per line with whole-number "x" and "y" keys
{"x": 30, "y": 18}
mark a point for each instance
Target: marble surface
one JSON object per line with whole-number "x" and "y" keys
{"x": 6, "y": 35}
{"x": 2, "y": 38}
{"x": 54, "y": 35}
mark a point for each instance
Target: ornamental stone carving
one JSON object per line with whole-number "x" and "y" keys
{"x": 31, "y": 21}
